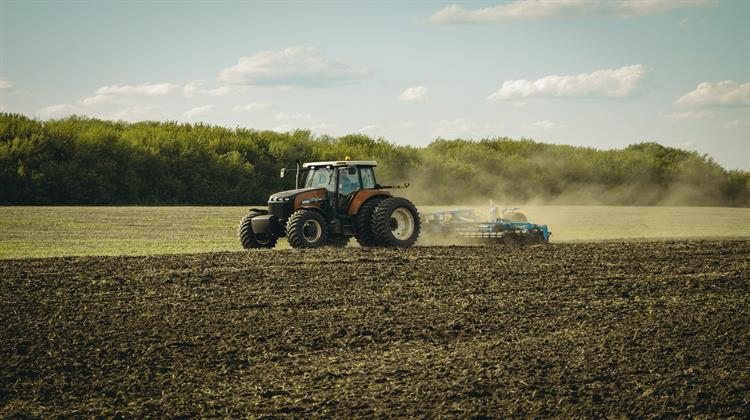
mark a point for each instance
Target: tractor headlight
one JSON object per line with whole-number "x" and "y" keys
{"x": 312, "y": 200}
{"x": 286, "y": 199}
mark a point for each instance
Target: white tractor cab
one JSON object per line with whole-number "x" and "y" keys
{"x": 332, "y": 202}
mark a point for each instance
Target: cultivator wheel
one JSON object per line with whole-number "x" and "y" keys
{"x": 510, "y": 241}
{"x": 395, "y": 222}
{"x": 249, "y": 239}
{"x": 538, "y": 238}
{"x": 307, "y": 229}
{"x": 365, "y": 235}
{"x": 516, "y": 216}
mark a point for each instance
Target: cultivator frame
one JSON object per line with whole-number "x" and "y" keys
{"x": 510, "y": 228}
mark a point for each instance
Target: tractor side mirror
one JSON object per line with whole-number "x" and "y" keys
{"x": 351, "y": 170}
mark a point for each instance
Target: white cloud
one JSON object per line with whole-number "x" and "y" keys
{"x": 545, "y": 125}
{"x": 686, "y": 116}
{"x": 741, "y": 124}
{"x": 293, "y": 66}
{"x": 148, "y": 89}
{"x": 519, "y": 10}
{"x": 96, "y": 100}
{"x": 224, "y": 90}
{"x": 688, "y": 145}
{"x": 464, "y": 128}
{"x": 196, "y": 88}
{"x": 323, "y": 128}
{"x": 283, "y": 128}
{"x": 414, "y": 93}
{"x": 725, "y": 93}
{"x": 551, "y": 9}
{"x": 646, "y": 7}
{"x": 192, "y": 88}
{"x": 368, "y": 129}
{"x": 615, "y": 83}
{"x": 138, "y": 113}
{"x": 254, "y": 106}
{"x": 58, "y": 111}
{"x": 200, "y": 111}
{"x": 5, "y": 84}
{"x": 283, "y": 116}
{"x": 451, "y": 128}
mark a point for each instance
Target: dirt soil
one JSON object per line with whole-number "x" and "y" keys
{"x": 608, "y": 329}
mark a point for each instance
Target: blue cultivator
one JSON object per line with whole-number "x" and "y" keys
{"x": 510, "y": 228}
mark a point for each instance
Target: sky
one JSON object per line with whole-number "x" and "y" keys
{"x": 601, "y": 74}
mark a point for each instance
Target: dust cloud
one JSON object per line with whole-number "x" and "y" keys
{"x": 686, "y": 207}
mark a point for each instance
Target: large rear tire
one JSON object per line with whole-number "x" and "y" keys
{"x": 307, "y": 229}
{"x": 365, "y": 235}
{"x": 249, "y": 239}
{"x": 396, "y": 223}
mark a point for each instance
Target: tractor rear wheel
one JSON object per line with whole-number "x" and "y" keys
{"x": 250, "y": 240}
{"x": 395, "y": 222}
{"x": 365, "y": 235}
{"x": 307, "y": 229}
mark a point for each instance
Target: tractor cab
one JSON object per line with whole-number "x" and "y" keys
{"x": 341, "y": 181}
{"x": 333, "y": 201}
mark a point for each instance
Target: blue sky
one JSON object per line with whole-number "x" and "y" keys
{"x": 600, "y": 74}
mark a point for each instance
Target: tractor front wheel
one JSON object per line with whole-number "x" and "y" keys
{"x": 307, "y": 229}
{"x": 395, "y": 222}
{"x": 249, "y": 239}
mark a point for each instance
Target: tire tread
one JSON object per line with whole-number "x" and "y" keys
{"x": 294, "y": 228}
{"x": 381, "y": 223}
{"x": 365, "y": 235}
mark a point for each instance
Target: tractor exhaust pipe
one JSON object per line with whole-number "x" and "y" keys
{"x": 296, "y": 175}
{"x": 296, "y": 171}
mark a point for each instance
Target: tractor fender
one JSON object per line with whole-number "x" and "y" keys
{"x": 266, "y": 224}
{"x": 362, "y": 196}
{"x": 314, "y": 208}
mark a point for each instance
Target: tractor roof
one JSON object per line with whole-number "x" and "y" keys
{"x": 341, "y": 163}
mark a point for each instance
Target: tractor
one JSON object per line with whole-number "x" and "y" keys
{"x": 332, "y": 202}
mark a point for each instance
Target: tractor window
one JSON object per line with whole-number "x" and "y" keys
{"x": 320, "y": 177}
{"x": 348, "y": 183}
{"x": 368, "y": 177}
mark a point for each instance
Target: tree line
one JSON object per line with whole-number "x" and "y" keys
{"x": 79, "y": 160}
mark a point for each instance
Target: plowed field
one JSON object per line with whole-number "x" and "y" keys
{"x": 653, "y": 328}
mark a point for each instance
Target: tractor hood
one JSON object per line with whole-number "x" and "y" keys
{"x": 290, "y": 195}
